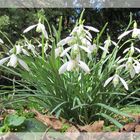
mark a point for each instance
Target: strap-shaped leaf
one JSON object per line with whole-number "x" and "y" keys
{"x": 119, "y": 125}
{"x": 114, "y": 110}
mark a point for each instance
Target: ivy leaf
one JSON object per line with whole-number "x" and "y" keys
{"x": 14, "y": 120}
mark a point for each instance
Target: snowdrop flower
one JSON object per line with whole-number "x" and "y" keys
{"x": 13, "y": 62}
{"x": 94, "y": 48}
{"x": 65, "y": 41}
{"x": 73, "y": 64}
{"x": 74, "y": 48}
{"x": 130, "y": 66}
{"x": 19, "y": 49}
{"x": 46, "y": 46}
{"x": 132, "y": 49}
{"x": 116, "y": 78}
{"x": 40, "y": 28}
{"x": 81, "y": 28}
{"x": 135, "y": 32}
{"x": 108, "y": 43}
{"x": 31, "y": 47}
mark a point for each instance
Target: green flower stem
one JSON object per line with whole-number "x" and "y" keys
{"x": 43, "y": 47}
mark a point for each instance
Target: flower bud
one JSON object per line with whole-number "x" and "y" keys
{"x": 135, "y": 24}
{"x": 132, "y": 49}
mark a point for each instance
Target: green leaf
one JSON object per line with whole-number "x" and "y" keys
{"x": 14, "y": 120}
{"x": 119, "y": 125}
{"x": 114, "y": 110}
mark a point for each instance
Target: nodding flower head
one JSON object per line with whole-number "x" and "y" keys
{"x": 116, "y": 78}
{"x": 135, "y": 32}
{"x": 39, "y": 28}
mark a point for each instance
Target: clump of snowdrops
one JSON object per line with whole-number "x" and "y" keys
{"x": 78, "y": 77}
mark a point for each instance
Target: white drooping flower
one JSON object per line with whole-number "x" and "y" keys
{"x": 80, "y": 36}
{"x": 132, "y": 49}
{"x": 72, "y": 65}
{"x": 84, "y": 29}
{"x": 78, "y": 41}
{"x": 19, "y": 49}
{"x": 30, "y": 47}
{"x": 108, "y": 43}
{"x": 40, "y": 28}
{"x": 64, "y": 41}
{"x": 86, "y": 49}
{"x": 115, "y": 79}
{"x": 135, "y": 32}
{"x": 46, "y": 46}
{"x": 130, "y": 64}
{"x": 13, "y": 61}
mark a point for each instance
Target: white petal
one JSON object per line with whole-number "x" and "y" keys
{"x": 88, "y": 34}
{"x": 114, "y": 43}
{"x": 135, "y": 32}
{"x": 64, "y": 41}
{"x": 138, "y": 50}
{"x": 124, "y": 34}
{"x": 126, "y": 50}
{"x": 121, "y": 66}
{"x": 124, "y": 83}
{"x": 1, "y": 41}
{"x": 84, "y": 66}
{"x": 23, "y": 64}
{"x": 63, "y": 68}
{"x": 71, "y": 65}
{"x": 13, "y": 61}
{"x": 104, "y": 49}
{"x": 85, "y": 42}
{"x": 45, "y": 33}
{"x": 132, "y": 72}
{"x": 58, "y": 51}
{"x": 88, "y": 38}
{"x": 137, "y": 69}
{"x": 65, "y": 51}
{"x": 85, "y": 49}
{"x": 2, "y": 61}
{"x": 29, "y": 28}
{"x": 92, "y": 47}
{"x": 108, "y": 81}
{"x": 92, "y": 28}
{"x": 18, "y": 49}
{"x": 121, "y": 60}
{"x": 25, "y": 52}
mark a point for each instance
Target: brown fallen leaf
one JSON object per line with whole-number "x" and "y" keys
{"x": 137, "y": 128}
{"x": 95, "y": 127}
{"x": 129, "y": 127}
{"x": 51, "y": 121}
